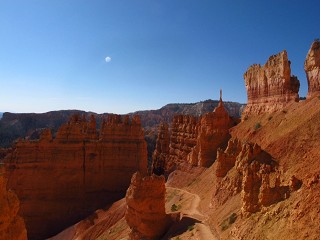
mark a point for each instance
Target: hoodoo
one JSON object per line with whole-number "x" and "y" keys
{"x": 193, "y": 140}
{"x": 270, "y": 87}
{"x": 312, "y": 68}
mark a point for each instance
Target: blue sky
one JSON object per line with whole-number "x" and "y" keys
{"x": 52, "y": 52}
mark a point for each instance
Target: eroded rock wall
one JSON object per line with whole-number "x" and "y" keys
{"x": 312, "y": 68}
{"x": 253, "y": 173}
{"x": 162, "y": 150}
{"x": 270, "y": 87}
{"x": 213, "y": 133}
{"x": 145, "y": 212}
{"x": 12, "y": 226}
{"x": 193, "y": 141}
{"x": 183, "y": 137}
{"x": 62, "y": 180}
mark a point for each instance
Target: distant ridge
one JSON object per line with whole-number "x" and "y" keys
{"x": 29, "y": 125}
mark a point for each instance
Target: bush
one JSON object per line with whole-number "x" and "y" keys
{"x": 190, "y": 228}
{"x": 257, "y": 126}
{"x": 228, "y": 221}
{"x": 175, "y": 207}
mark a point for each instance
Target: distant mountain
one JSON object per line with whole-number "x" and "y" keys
{"x": 16, "y": 125}
{"x": 1, "y": 113}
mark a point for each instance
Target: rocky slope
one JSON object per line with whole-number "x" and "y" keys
{"x": 63, "y": 179}
{"x": 270, "y": 87}
{"x": 312, "y": 68}
{"x": 12, "y": 226}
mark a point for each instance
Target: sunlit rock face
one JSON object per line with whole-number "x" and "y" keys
{"x": 145, "y": 212}
{"x": 254, "y": 174}
{"x": 12, "y": 226}
{"x": 213, "y": 134}
{"x": 192, "y": 140}
{"x": 61, "y": 180}
{"x": 270, "y": 87}
{"x": 312, "y": 68}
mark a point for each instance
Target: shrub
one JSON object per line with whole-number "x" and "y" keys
{"x": 175, "y": 207}
{"x": 190, "y": 228}
{"x": 228, "y": 221}
{"x": 257, "y": 126}
{"x": 269, "y": 118}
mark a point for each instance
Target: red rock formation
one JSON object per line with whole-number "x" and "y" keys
{"x": 195, "y": 141}
{"x": 12, "y": 226}
{"x": 145, "y": 213}
{"x": 62, "y": 180}
{"x": 270, "y": 87}
{"x": 227, "y": 159}
{"x": 213, "y": 133}
{"x": 312, "y": 68}
{"x": 184, "y": 133}
{"x": 257, "y": 172}
{"x": 162, "y": 150}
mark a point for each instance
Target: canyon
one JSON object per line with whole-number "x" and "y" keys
{"x": 61, "y": 180}
{"x": 213, "y": 176}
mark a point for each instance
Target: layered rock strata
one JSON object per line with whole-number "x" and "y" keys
{"x": 161, "y": 151}
{"x": 183, "y": 137}
{"x": 270, "y": 87}
{"x": 312, "y": 68}
{"x": 193, "y": 140}
{"x": 213, "y": 133}
{"x": 145, "y": 212}
{"x": 63, "y": 179}
{"x": 255, "y": 175}
{"x": 12, "y": 226}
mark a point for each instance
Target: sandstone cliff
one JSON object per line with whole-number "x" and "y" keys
{"x": 146, "y": 213}
{"x": 183, "y": 137}
{"x": 193, "y": 140}
{"x": 270, "y": 87}
{"x": 162, "y": 150}
{"x": 213, "y": 133}
{"x": 312, "y": 68}
{"x": 12, "y": 226}
{"x": 61, "y": 180}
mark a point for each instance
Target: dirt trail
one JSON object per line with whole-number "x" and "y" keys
{"x": 189, "y": 209}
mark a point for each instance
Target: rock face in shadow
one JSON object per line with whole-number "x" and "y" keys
{"x": 312, "y": 68}
{"x": 193, "y": 140}
{"x": 270, "y": 87}
{"x": 162, "y": 149}
{"x": 64, "y": 179}
{"x": 12, "y": 226}
{"x": 145, "y": 212}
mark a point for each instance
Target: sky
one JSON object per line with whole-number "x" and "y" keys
{"x": 122, "y": 56}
